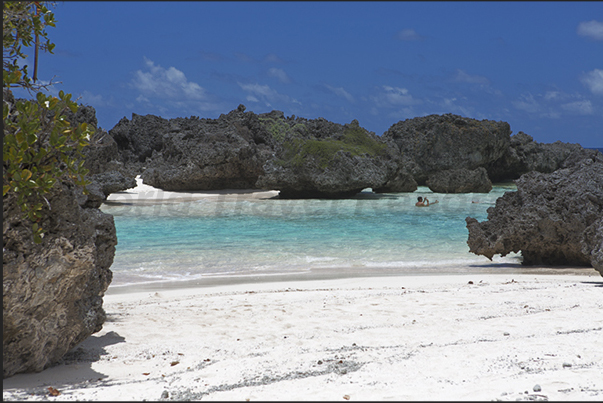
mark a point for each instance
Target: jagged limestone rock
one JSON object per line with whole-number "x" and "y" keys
{"x": 52, "y": 292}
{"x": 553, "y": 219}
{"x": 460, "y": 181}
{"x": 436, "y": 143}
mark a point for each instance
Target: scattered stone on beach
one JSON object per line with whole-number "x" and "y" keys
{"x": 537, "y": 388}
{"x": 566, "y": 365}
{"x": 553, "y": 219}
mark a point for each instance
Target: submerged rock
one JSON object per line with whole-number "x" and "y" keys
{"x": 553, "y": 219}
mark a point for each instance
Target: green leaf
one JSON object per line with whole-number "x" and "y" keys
{"x": 25, "y": 174}
{"x": 37, "y": 238}
{"x": 40, "y": 97}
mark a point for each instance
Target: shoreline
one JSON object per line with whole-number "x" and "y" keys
{"x": 346, "y": 273}
{"x": 491, "y": 331}
{"x": 148, "y": 195}
{"x": 441, "y": 337}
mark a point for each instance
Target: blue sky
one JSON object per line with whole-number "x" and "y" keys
{"x": 536, "y": 65}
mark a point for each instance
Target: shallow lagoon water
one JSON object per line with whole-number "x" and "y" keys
{"x": 241, "y": 236}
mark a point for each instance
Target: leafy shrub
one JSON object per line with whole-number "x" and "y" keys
{"x": 39, "y": 145}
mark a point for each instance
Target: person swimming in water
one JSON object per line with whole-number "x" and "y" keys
{"x": 423, "y": 202}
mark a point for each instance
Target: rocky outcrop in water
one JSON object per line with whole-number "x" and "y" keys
{"x": 401, "y": 181}
{"x": 245, "y": 150}
{"x": 195, "y": 154}
{"x": 460, "y": 181}
{"x": 53, "y": 292}
{"x": 102, "y": 158}
{"x": 553, "y": 219}
{"x": 525, "y": 155}
{"x": 321, "y": 159}
{"x": 435, "y": 143}
{"x": 240, "y": 150}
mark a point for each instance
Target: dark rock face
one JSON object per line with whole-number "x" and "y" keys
{"x": 245, "y": 150}
{"x": 52, "y": 292}
{"x": 102, "y": 158}
{"x": 436, "y": 143}
{"x": 401, "y": 181}
{"x": 553, "y": 219}
{"x": 85, "y": 114}
{"x": 139, "y": 137}
{"x": 525, "y": 155}
{"x": 460, "y": 181}
{"x": 327, "y": 160}
{"x": 193, "y": 153}
{"x": 592, "y": 244}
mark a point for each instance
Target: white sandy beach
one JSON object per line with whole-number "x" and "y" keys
{"x": 517, "y": 336}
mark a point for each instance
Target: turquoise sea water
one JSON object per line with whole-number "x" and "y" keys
{"x": 239, "y": 236}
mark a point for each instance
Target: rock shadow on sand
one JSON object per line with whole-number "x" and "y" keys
{"x": 74, "y": 371}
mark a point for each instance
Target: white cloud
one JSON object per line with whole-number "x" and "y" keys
{"x": 551, "y": 95}
{"x": 462, "y": 77}
{"x": 258, "y": 89}
{"x": 579, "y": 107}
{"x": 408, "y": 35}
{"x": 404, "y": 113}
{"x": 592, "y": 29}
{"x": 455, "y": 105}
{"x": 93, "y": 100}
{"x": 266, "y": 94}
{"x": 166, "y": 83}
{"x": 272, "y": 58}
{"x": 279, "y": 74}
{"x": 554, "y": 104}
{"x": 526, "y": 102}
{"x": 339, "y": 91}
{"x": 593, "y": 80}
{"x": 393, "y": 97}
{"x": 142, "y": 99}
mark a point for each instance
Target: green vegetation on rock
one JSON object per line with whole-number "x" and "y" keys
{"x": 355, "y": 141}
{"x": 279, "y": 129}
{"x": 39, "y": 145}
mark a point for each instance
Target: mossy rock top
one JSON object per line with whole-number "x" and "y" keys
{"x": 355, "y": 140}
